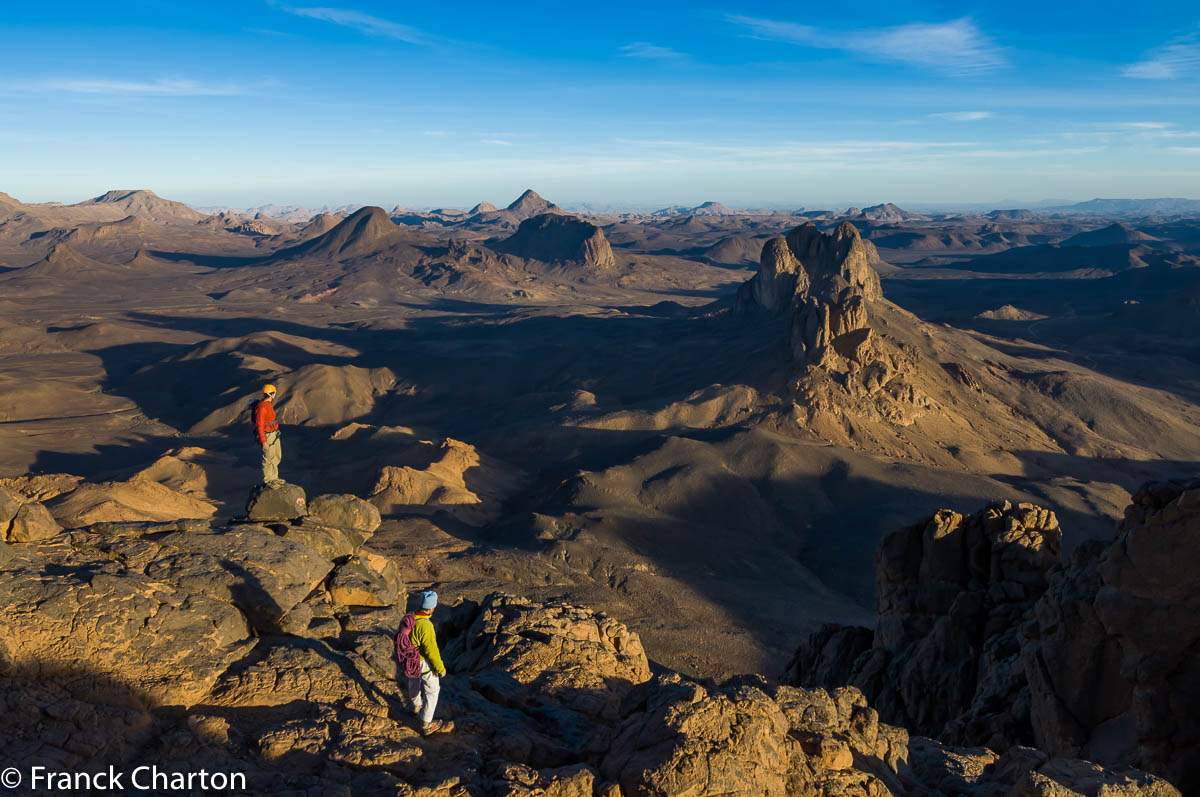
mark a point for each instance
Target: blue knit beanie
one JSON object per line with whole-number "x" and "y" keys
{"x": 428, "y": 599}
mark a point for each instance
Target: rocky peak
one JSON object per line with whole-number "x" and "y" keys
{"x": 530, "y": 204}
{"x": 779, "y": 280}
{"x": 562, "y": 239}
{"x": 365, "y": 231}
{"x": 484, "y": 207}
{"x": 843, "y": 254}
{"x": 831, "y": 322}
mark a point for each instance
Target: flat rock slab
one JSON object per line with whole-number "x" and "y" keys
{"x": 151, "y": 638}
{"x": 260, "y": 573}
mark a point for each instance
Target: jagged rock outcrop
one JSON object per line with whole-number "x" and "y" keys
{"x": 189, "y": 646}
{"x": 985, "y": 637}
{"x": 779, "y": 280}
{"x": 1113, "y": 652}
{"x": 831, "y": 320}
{"x": 856, "y": 379}
{"x": 557, "y": 238}
{"x": 945, "y": 655}
{"x": 843, "y": 254}
{"x": 826, "y": 283}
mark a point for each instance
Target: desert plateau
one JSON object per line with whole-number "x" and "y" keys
{"x": 525, "y": 495}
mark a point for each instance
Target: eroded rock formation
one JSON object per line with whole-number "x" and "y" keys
{"x": 828, "y": 288}
{"x": 984, "y": 637}
{"x": 951, "y": 593}
{"x": 267, "y": 648}
{"x": 1113, "y": 653}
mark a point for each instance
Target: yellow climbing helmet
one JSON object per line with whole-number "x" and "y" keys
{"x": 268, "y": 390}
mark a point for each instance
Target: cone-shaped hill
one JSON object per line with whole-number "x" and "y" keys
{"x": 530, "y": 203}
{"x": 1115, "y": 233}
{"x": 560, "y": 239}
{"x": 526, "y": 206}
{"x": 63, "y": 260}
{"x": 365, "y": 232}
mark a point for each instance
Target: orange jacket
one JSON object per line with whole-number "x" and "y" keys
{"x": 264, "y": 420}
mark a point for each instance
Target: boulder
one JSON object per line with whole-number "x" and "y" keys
{"x": 32, "y": 522}
{"x": 333, "y": 542}
{"x": 348, "y": 511}
{"x": 276, "y": 502}
{"x": 364, "y": 580}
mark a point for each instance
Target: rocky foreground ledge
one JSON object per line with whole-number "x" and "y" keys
{"x": 265, "y": 647}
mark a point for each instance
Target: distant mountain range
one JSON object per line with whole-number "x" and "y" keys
{"x": 1137, "y": 207}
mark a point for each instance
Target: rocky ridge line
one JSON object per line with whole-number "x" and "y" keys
{"x": 265, "y": 647}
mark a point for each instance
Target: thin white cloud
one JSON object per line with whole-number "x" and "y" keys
{"x": 364, "y": 23}
{"x": 438, "y": 133}
{"x": 1185, "y": 150}
{"x": 1173, "y": 60}
{"x": 963, "y": 116}
{"x": 957, "y": 47}
{"x": 164, "y": 87}
{"x": 648, "y": 50}
{"x": 496, "y": 141}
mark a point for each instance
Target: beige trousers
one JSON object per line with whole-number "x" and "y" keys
{"x": 272, "y": 454}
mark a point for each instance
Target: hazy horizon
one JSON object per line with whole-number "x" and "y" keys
{"x": 246, "y": 104}
{"x": 613, "y": 206}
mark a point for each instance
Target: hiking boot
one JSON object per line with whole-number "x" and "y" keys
{"x": 437, "y": 726}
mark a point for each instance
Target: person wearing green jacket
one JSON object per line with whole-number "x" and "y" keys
{"x": 424, "y": 690}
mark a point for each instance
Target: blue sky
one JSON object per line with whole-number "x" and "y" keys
{"x": 646, "y": 104}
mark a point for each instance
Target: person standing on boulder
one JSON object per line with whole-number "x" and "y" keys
{"x": 266, "y": 429}
{"x": 417, "y": 639}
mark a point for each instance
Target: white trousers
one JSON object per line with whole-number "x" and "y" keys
{"x": 424, "y": 692}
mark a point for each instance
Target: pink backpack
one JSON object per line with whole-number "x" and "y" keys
{"x": 406, "y": 652}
